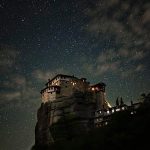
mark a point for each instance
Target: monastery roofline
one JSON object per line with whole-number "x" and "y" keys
{"x": 98, "y": 84}
{"x": 63, "y": 75}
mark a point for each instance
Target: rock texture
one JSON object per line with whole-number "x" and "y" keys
{"x": 65, "y": 117}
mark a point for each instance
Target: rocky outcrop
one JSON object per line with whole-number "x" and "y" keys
{"x": 65, "y": 117}
{"x": 42, "y": 134}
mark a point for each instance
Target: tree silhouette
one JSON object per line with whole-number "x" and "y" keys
{"x": 117, "y": 102}
{"x": 143, "y": 97}
{"x": 121, "y": 101}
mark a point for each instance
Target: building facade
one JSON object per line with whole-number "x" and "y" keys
{"x": 65, "y": 86}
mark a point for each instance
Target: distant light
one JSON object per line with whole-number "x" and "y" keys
{"x": 132, "y": 113}
{"x": 123, "y": 108}
{"x": 118, "y": 109}
{"x": 93, "y": 89}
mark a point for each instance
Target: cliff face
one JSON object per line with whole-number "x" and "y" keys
{"x": 42, "y": 134}
{"x": 65, "y": 117}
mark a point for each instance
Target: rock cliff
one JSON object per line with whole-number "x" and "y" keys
{"x": 64, "y": 118}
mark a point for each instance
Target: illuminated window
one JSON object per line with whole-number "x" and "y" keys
{"x": 118, "y": 109}
{"x": 97, "y": 88}
{"x": 93, "y": 89}
{"x": 132, "y": 113}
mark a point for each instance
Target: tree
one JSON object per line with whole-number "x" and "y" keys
{"x": 117, "y": 102}
{"x": 121, "y": 101}
{"x": 143, "y": 97}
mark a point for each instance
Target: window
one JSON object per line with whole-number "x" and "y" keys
{"x": 118, "y": 109}
{"x": 93, "y": 89}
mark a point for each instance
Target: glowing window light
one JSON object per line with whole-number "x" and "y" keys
{"x": 93, "y": 89}
{"x": 97, "y": 88}
{"x": 132, "y": 113}
{"x": 118, "y": 109}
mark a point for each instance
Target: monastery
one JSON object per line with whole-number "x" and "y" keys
{"x": 65, "y": 86}
{"x": 72, "y": 106}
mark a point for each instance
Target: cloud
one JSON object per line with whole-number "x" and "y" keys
{"x": 138, "y": 55}
{"x": 9, "y": 96}
{"x": 14, "y": 81}
{"x": 126, "y": 21}
{"x": 41, "y": 75}
{"x": 19, "y": 90}
{"x": 139, "y": 68}
{"x": 116, "y": 61}
{"x": 8, "y": 58}
{"x": 131, "y": 72}
{"x": 107, "y": 67}
{"x": 146, "y": 16}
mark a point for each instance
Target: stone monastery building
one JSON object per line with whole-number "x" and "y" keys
{"x": 65, "y": 86}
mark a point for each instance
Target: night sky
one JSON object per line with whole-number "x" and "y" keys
{"x": 102, "y": 40}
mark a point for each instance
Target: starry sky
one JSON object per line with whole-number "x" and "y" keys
{"x": 102, "y": 40}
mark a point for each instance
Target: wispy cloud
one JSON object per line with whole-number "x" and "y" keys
{"x": 132, "y": 71}
{"x": 128, "y": 25}
{"x": 18, "y": 90}
{"x": 8, "y": 58}
{"x": 115, "y": 61}
{"x": 41, "y": 75}
{"x": 129, "y": 28}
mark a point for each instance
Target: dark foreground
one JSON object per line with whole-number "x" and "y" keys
{"x": 125, "y": 131}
